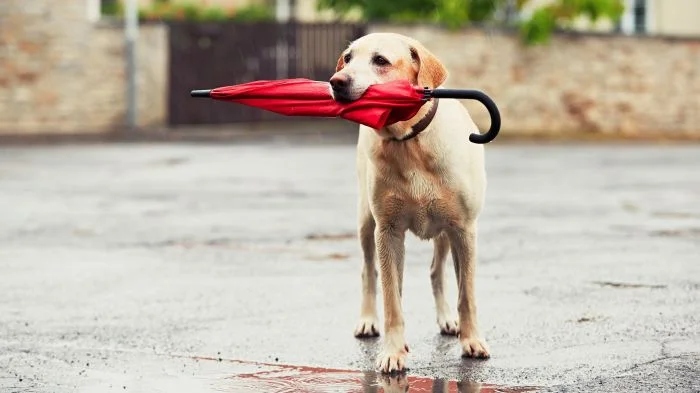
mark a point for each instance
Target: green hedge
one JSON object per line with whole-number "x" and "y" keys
{"x": 164, "y": 10}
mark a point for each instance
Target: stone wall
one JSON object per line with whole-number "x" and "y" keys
{"x": 61, "y": 73}
{"x": 597, "y": 84}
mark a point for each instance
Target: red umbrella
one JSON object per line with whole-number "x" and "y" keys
{"x": 380, "y": 105}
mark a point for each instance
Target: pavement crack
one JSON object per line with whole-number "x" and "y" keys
{"x": 664, "y": 349}
{"x": 653, "y": 361}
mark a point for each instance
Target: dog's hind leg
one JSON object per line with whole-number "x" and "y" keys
{"x": 445, "y": 319}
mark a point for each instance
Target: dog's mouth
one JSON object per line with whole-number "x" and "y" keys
{"x": 346, "y": 93}
{"x": 341, "y": 95}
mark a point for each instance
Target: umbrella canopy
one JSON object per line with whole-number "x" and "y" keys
{"x": 381, "y": 104}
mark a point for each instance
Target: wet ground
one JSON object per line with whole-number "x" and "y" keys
{"x": 235, "y": 268}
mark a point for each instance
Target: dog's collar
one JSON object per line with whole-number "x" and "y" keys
{"x": 422, "y": 124}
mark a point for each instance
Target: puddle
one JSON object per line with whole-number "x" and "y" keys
{"x": 684, "y": 232}
{"x": 613, "y": 284}
{"x": 337, "y": 256}
{"x": 675, "y": 214}
{"x": 331, "y": 236}
{"x": 276, "y": 378}
{"x": 679, "y": 233}
{"x": 226, "y": 243}
{"x": 172, "y": 161}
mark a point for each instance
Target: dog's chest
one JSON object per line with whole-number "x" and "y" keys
{"x": 428, "y": 207}
{"x": 412, "y": 190}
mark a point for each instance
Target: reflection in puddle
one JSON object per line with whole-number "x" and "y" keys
{"x": 273, "y": 378}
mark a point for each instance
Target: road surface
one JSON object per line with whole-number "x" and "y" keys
{"x": 168, "y": 267}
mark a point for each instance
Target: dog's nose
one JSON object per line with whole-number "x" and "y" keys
{"x": 339, "y": 82}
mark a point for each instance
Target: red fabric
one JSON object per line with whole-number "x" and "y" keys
{"x": 379, "y": 106}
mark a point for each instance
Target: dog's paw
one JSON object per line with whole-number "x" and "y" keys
{"x": 393, "y": 383}
{"x": 448, "y": 325}
{"x": 391, "y": 361}
{"x": 367, "y": 327}
{"x": 474, "y": 347}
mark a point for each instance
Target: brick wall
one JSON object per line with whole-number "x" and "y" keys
{"x": 599, "y": 84}
{"x": 61, "y": 73}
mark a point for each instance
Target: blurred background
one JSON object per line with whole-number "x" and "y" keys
{"x": 557, "y": 68}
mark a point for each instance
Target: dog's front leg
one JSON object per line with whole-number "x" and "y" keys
{"x": 390, "y": 252}
{"x": 463, "y": 243}
{"x": 368, "y": 326}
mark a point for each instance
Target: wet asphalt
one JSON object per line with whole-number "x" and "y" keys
{"x": 195, "y": 267}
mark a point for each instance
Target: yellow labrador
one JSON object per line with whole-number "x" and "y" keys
{"x": 421, "y": 175}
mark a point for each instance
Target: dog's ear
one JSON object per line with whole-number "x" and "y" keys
{"x": 431, "y": 72}
{"x": 341, "y": 63}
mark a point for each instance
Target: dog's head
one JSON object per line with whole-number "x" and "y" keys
{"x": 384, "y": 57}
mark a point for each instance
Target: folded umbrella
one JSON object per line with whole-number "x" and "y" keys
{"x": 381, "y": 104}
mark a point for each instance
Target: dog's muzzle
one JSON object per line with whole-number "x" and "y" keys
{"x": 340, "y": 84}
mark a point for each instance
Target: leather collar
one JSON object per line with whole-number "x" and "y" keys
{"x": 422, "y": 124}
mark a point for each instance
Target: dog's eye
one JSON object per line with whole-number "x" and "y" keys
{"x": 380, "y": 60}
{"x": 347, "y": 58}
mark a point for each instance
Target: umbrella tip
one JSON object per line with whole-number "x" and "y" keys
{"x": 200, "y": 93}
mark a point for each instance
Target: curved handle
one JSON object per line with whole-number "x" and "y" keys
{"x": 484, "y": 99}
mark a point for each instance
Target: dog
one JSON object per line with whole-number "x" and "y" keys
{"x": 420, "y": 175}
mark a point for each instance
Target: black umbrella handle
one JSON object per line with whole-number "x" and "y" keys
{"x": 473, "y": 95}
{"x": 200, "y": 93}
